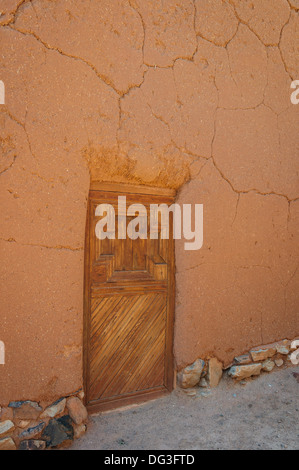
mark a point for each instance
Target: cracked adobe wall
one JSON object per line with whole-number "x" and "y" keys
{"x": 182, "y": 94}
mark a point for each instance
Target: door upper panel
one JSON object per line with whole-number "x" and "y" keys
{"x": 126, "y": 260}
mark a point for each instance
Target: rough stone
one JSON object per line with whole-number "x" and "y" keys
{"x": 27, "y": 410}
{"x": 54, "y": 409}
{"x": 262, "y": 354}
{"x": 190, "y": 392}
{"x": 215, "y": 372}
{"x": 6, "y": 414}
{"x": 283, "y": 347}
{"x": 268, "y": 365}
{"x": 243, "y": 382}
{"x": 203, "y": 383}
{"x": 22, "y": 424}
{"x": 205, "y": 393}
{"x": 32, "y": 445}
{"x": 243, "y": 372}
{"x": 190, "y": 376}
{"x": 242, "y": 360}
{"x": 79, "y": 430}
{"x": 6, "y": 427}
{"x": 32, "y": 432}
{"x": 7, "y": 444}
{"x": 77, "y": 410}
{"x": 16, "y": 404}
{"x": 58, "y": 431}
{"x": 279, "y": 362}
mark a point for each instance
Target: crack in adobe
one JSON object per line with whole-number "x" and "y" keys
{"x": 198, "y": 34}
{"x": 203, "y": 166}
{"x": 253, "y": 190}
{"x": 9, "y": 166}
{"x": 279, "y": 47}
{"x": 251, "y": 29}
{"x": 260, "y": 39}
{"x": 236, "y": 212}
{"x": 23, "y": 125}
{"x": 108, "y": 82}
{"x": 143, "y": 26}
{"x": 19, "y": 123}
{"x": 122, "y": 97}
{"x": 191, "y": 268}
{"x": 292, "y": 277}
{"x": 13, "y": 118}
{"x": 102, "y": 77}
{"x": 292, "y": 7}
{"x": 215, "y": 115}
{"x": 179, "y": 148}
{"x": 189, "y": 58}
{"x": 194, "y": 26}
{"x": 15, "y": 12}
{"x": 56, "y": 247}
{"x": 27, "y": 135}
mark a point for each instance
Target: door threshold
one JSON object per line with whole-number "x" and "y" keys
{"x": 126, "y": 402}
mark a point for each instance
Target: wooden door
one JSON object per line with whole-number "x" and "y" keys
{"x": 129, "y": 304}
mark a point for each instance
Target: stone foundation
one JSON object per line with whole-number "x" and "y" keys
{"x": 207, "y": 373}
{"x": 28, "y": 425}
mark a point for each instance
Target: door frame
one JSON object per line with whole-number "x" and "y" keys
{"x": 125, "y": 189}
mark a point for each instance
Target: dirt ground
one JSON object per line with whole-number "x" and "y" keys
{"x": 263, "y": 414}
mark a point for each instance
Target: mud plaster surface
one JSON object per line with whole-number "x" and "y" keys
{"x": 191, "y": 95}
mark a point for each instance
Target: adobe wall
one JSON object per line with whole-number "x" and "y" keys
{"x": 191, "y": 95}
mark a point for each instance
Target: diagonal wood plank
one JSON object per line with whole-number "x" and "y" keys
{"x": 126, "y": 347}
{"x": 146, "y": 361}
{"x": 110, "y": 340}
{"x": 143, "y": 351}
